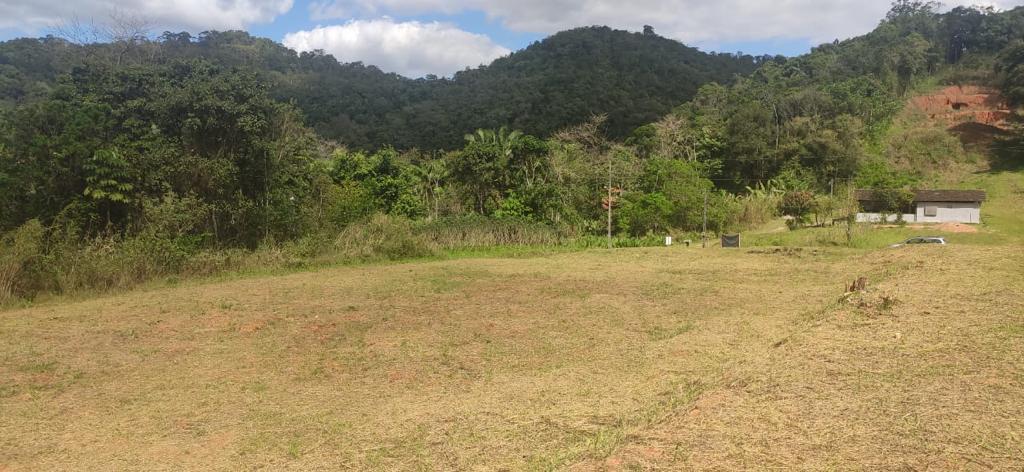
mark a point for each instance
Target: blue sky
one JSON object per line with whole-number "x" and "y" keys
{"x": 419, "y": 37}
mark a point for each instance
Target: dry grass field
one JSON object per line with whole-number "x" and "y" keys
{"x": 659, "y": 358}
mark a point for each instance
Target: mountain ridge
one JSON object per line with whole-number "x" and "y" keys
{"x": 562, "y": 80}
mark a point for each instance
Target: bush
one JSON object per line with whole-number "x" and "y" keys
{"x": 382, "y": 236}
{"x": 824, "y": 207}
{"x": 20, "y": 248}
{"x": 797, "y": 204}
{"x": 644, "y": 213}
{"x": 894, "y": 201}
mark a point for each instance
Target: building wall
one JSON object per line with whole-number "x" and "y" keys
{"x": 864, "y": 217}
{"x": 950, "y": 212}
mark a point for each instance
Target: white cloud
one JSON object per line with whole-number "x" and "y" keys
{"x": 411, "y": 48}
{"x": 692, "y": 21}
{"x": 34, "y": 15}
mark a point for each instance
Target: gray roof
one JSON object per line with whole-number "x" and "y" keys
{"x": 973, "y": 196}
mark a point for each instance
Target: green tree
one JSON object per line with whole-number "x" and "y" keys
{"x": 1010, "y": 65}
{"x": 644, "y": 213}
{"x": 108, "y": 180}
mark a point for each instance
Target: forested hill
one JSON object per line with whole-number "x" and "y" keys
{"x": 633, "y": 77}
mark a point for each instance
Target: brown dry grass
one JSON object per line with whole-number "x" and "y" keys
{"x": 648, "y": 358}
{"x": 926, "y": 373}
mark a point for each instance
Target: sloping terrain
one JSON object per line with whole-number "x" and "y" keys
{"x": 641, "y": 358}
{"x": 974, "y": 113}
{"x": 925, "y": 373}
{"x": 560, "y": 81}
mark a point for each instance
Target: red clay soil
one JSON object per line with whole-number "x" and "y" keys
{"x": 975, "y": 114}
{"x": 965, "y": 104}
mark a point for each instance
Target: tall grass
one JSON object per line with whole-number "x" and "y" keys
{"x": 476, "y": 231}
{"x": 754, "y": 210}
{"x": 33, "y": 262}
{"x": 18, "y": 249}
{"x": 383, "y": 236}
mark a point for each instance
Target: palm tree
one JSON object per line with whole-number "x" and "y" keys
{"x": 504, "y": 139}
{"x": 507, "y": 142}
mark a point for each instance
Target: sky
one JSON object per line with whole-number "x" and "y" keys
{"x": 420, "y": 37}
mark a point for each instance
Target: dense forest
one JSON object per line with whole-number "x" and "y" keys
{"x": 634, "y": 78}
{"x": 127, "y": 159}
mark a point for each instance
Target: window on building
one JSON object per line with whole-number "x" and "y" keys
{"x": 931, "y": 210}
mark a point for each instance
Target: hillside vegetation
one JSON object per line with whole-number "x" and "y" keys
{"x": 635, "y": 78}
{"x": 133, "y": 160}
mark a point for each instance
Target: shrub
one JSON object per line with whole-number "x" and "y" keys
{"x": 894, "y": 201}
{"x": 20, "y": 248}
{"x": 114, "y": 261}
{"x": 797, "y": 204}
{"x": 644, "y": 213}
{"x": 824, "y": 207}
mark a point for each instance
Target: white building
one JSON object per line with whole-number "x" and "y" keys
{"x": 928, "y": 206}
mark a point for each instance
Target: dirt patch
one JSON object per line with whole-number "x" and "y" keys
{"x": 964, "y": 104}
{"x": 957, "y": 228}
{"x": 976, "y": 115}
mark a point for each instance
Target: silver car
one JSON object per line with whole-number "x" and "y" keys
{"x": 922, "y": 240}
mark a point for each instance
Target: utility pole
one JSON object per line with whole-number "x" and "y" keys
{"x": 851, "y": 213}
{"x": 704, "y": 231}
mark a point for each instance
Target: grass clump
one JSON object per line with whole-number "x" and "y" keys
{"x": 18, "y": 249}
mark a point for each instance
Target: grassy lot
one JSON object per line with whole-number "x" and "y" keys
{"x": 636, "y": 357}
{"x": 654, "y": 358}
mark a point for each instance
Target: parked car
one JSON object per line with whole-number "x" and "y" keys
{"x": 922, "y": 240}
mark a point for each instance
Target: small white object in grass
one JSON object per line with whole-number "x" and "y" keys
{"x": 668, "y": 240}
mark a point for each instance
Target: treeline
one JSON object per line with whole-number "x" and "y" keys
{"x": 126, "y": 171}
{"x": 822, "y": 119}
{"x": 134, "y": 164}
{"x": 634, "y": 78}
